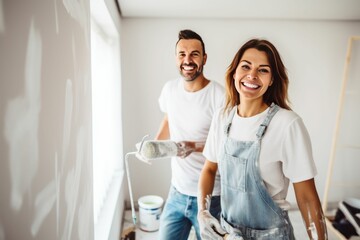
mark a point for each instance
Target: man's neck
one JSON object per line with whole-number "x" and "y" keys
{"x": 197, "y": 84}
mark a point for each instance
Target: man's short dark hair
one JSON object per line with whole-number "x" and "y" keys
{"x": 189, "y": 34}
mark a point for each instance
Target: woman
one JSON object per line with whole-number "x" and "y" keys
{"x": 258, "y": 145}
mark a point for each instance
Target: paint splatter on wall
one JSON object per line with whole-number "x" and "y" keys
{"x": 2, "y": 234}
{"x": 76, "y": 10}
{"x": 22, "y": 123}
{"x": 44, "y": 202}
{"x": 2, "y": 24}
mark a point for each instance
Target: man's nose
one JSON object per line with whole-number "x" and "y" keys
{"x": 187, "y": 59}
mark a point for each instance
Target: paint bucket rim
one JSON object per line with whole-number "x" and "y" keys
{"x": 156, "y": 202}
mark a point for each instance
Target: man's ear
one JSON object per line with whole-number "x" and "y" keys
{"x": 204, "y": 59}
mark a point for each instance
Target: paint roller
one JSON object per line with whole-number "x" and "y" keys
{"x": 148, "y": 150}
{"x": 158, "y": 149}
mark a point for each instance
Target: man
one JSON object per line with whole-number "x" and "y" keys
{"x": 188, "y": 103}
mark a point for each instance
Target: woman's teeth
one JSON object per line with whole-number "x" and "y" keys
{"x": 249, "y": 85}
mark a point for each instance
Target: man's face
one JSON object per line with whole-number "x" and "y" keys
{"x": 190, "y": 58}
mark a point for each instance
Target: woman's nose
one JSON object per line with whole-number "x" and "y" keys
{"x": 252, "y": 75}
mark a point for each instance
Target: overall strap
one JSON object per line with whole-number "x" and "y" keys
{"x": 229, "y": 120}
{"x": 263, "y": 126}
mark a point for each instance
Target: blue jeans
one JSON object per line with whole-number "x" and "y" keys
{"x": 180, "y": 213}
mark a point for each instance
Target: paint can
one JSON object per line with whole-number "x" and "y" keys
{"x": 150, "y": 208}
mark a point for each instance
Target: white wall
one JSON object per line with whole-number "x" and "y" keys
{"x": 313, "y": 51}
{"x": 45, "y": 120}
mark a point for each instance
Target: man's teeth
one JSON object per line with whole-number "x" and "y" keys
{"x": 188, "y": 68}
{"x": 249, "y": 85}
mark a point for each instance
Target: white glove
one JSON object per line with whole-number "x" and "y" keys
{"x": 233, "y": 236}
{"x": 210, "y": 228}
{"x": 138, "y": 155}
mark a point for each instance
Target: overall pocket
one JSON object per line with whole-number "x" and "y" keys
{"x": 233, "y": 172}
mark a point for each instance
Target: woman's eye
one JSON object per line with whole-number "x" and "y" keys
{"x": 245, "y": 67}
{"x": 263, "y": 70}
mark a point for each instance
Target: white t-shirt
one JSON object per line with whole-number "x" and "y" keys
{"x": 285, "y": 154}
{"x": 189, "y": 116}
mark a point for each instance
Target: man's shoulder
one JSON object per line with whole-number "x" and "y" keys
{"x": 217, "y": 86}
{"x": 172, "y": 82}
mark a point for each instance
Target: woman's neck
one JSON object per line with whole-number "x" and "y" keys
{"x": 251, "y": 108}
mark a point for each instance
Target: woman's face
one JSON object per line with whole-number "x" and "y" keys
{"x": 253, "y": 75}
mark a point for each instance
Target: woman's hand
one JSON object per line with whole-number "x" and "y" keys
{"x": 233, "y": 236}
{"x": 210, "y": 228}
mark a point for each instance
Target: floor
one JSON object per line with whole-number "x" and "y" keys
{"x": 295, "y": 218}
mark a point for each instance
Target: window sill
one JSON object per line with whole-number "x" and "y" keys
{"x": 106, "y": 216}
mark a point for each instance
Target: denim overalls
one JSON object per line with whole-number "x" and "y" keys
{"x": 247, "y": 207}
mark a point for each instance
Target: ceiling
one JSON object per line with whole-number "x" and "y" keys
{"x": 250, "y": 9}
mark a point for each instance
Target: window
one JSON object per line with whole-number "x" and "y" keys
{"x": 106, "y": 115}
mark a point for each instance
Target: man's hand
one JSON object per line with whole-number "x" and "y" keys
{"x": 210, "y": 228}
{"x": 185, "y": 148}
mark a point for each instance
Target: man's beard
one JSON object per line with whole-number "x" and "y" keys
{"x": 193, "y": 77}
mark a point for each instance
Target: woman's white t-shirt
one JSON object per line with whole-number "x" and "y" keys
{"x": 285, "y": 154}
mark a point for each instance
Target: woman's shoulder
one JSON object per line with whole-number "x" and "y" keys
{"x": 287, "y": 121}
{"x": 286, "y": 116}
{"x": 222, "y": 114}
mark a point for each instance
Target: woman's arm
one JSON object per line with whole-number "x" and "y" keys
{"x": 310, "y": 207}
{"x": 206, "y": 183}
{"x": 210, "y": 228}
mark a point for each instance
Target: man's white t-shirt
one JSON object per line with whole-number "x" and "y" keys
{"x": 189, "y": 116}
{"x": 286, "y": 152}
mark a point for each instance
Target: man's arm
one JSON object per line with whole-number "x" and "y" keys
{"x": 164, "y": 132}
